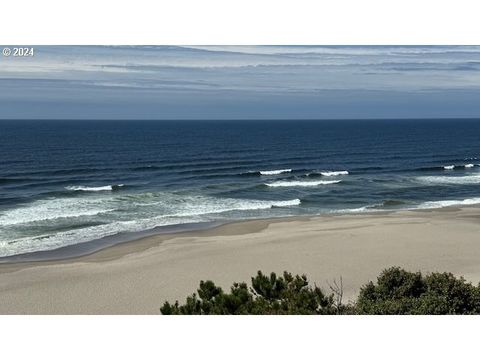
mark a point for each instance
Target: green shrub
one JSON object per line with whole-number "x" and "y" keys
{"x": 396, "y": 291}
{"x": 267, "y": 295}
{"x": 400, "y": 292}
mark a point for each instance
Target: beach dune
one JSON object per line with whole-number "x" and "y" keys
{"x": 138, "y": 276}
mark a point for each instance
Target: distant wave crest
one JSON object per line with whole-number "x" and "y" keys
{"x": 275, "y": 172}
{"x": 302, "y": 183}
{"x": 450, "y": 180}
{"x": 94, "y": 188}
{"x": 334, "y": 173}
{"x": 451, "y": 167}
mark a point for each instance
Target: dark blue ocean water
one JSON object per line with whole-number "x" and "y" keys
{"x": 69, "y": 182}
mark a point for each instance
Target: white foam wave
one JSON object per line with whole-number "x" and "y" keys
{"x": 447, "y": 203}
{"x": 53, "y": 209}
{"x": 426, "y": 205}
{"x": 450, "y": 180}
{"x": 286, "y": 203}
{"x": 275, "y": 172}
{"x": 334, "y": 173}
{"x": 449, "y": 167}
{"x": 93, "y": 188}
{"x": 207, "y": 206}
{"x": 469, "y": 166}
{"x": 355, "y": 210}
{"x": 120, "y": 213}
{"x": 302, "y": 183}
{"x": 55, "y": 240}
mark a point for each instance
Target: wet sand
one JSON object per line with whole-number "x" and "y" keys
{"x": 136, "y": 277}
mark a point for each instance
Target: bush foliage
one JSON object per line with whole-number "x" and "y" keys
{"x": 396, "y": 291}
{"x": 271, "y": 295}
{"x": 401, "y": 292}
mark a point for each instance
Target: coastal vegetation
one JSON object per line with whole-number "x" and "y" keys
{"x": 396, "y": 292}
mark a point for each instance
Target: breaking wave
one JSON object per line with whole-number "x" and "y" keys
{"x": 389, "y": 204}
{"x": 286, "y": 203}
{"x": 447, "y": 203}
{"x": 401, "y": 205}
{"x": 354, "y": 210}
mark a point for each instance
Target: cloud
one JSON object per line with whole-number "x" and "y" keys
{"x": 245, "y": 80}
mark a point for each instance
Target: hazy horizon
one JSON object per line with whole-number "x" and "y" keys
{"x": 241, "y": 83}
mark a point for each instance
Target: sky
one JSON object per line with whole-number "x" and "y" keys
{"x": 241, "y": 82}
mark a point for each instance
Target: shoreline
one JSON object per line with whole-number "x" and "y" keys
{"x": 85, "y": 249}
{"x": 137, "y": 276}
{"x": 114, "y": 246}
{"x": 78, "y": 250}
{"x": 88, "y": 248}
{"x": 117, "y": 249}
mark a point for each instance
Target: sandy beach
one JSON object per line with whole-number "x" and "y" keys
{"x": 138, "y": 276}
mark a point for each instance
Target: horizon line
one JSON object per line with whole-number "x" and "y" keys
{"x": 251, "y": 119}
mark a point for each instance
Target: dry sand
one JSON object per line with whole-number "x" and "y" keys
{"x": 137, "y": 277}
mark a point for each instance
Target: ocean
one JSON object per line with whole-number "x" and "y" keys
{"x": 64, "y": 184}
